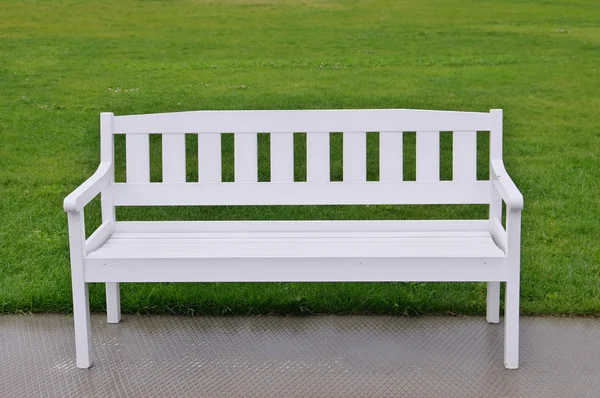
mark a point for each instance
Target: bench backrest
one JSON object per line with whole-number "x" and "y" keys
{"x": 317, "y": 124}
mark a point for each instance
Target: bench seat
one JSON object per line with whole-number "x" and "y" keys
{"x": 297, "y": 251}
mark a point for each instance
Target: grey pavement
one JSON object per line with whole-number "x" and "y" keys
{"x": 317, "y": 356}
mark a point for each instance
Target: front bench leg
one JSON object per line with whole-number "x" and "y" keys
{"x": 83, "y": 333}
{"x": 81, "y": 304}
{"x": 511, "y": 301}
{"x": 113, "y": 302}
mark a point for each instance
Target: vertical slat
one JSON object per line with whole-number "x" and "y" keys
{"x": 390, "y": 156}
{"x": 317, "y": 157}
{"x": 428, "y": 156}
{"x": 209, "y": 157}
{"x": 282, "y": 157}
{"x": 138, "y": 157}
{"x": 246, "y": 157}
{"x": 355, "y": 156}
{"x": 173, "y": 157}
{"x": 464, "y": 156}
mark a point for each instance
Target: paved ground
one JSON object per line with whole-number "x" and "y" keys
{"x": 352, "y": 356}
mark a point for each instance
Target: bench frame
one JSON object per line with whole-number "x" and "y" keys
{"x": 501, "y": 189}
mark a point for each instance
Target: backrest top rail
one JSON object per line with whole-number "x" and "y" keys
{"x": 274, "y": 121}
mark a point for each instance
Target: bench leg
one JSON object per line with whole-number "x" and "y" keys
{"x": 493, "y": 302}
{"x": 511, "y": 325}
{"x": 81, "y": 315}
{"x": 113, "y": 302}
{"x": 512, "y": 291}
{"x": 81, "y": 302}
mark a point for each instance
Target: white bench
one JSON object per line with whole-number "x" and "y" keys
{"x": 310, "y": 251}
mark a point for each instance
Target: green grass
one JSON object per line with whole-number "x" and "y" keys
{"x": 63, "y": 62}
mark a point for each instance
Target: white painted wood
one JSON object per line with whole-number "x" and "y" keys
{"x": 99, "y": 236}
{"x": 464, "y": 156}
{"x": 299, "y": 245}
{"x": 505, "y": 186}
{"x": 428, "y": 156}
{"x": 173, "y": 157}
{"x": 107, "y": 156}
{"x": 492, "y": 314}
{"x": 413, "y": 226}
{"x": 209, "y": 157}
{"x": 354, "y": 120}
{"x": 81, "y": 307}
{"x": 495, "y": 209}
{"x": 495, "y": 134}
{"x": 318, "y": 168}
{"x": 113, "y": 302}
{"x": 391, "y": 156}
{"x": 246, "y": 157}
{"x": 495, "y": 214}
{"x": 499, "y": 234}
{"x": 351, "y": 269}
{"x": 137, "y": 155}
{"x": 309, "y": 237}
{"x": 355, "y": 157}
{"x": 282, "y": 157}
{"x": 113, "y": 308}
{"x": 87, "y": 191}
{"x": 301, "y": 193}
{"x": 106, "y": 137}
{"x": 511, "y": 301}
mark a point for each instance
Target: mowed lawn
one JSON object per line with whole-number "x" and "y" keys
{"x": 64, "y": 62}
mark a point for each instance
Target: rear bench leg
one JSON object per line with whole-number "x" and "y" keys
{"x": 493, "y": 302}
{"x": 113, "y": 302}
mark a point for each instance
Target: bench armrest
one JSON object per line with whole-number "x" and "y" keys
{"x": 505, "y": 186}
{"x": 81, "y": 196}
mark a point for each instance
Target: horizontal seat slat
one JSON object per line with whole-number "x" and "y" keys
{"x": 313, "y": 226}
{"x": 279, "y": 121}
{"x": 299, "y": 244}
{"x": 278, "y": 236}
{"x": 301, "y": 193}
{"x": 442, "y": 269}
